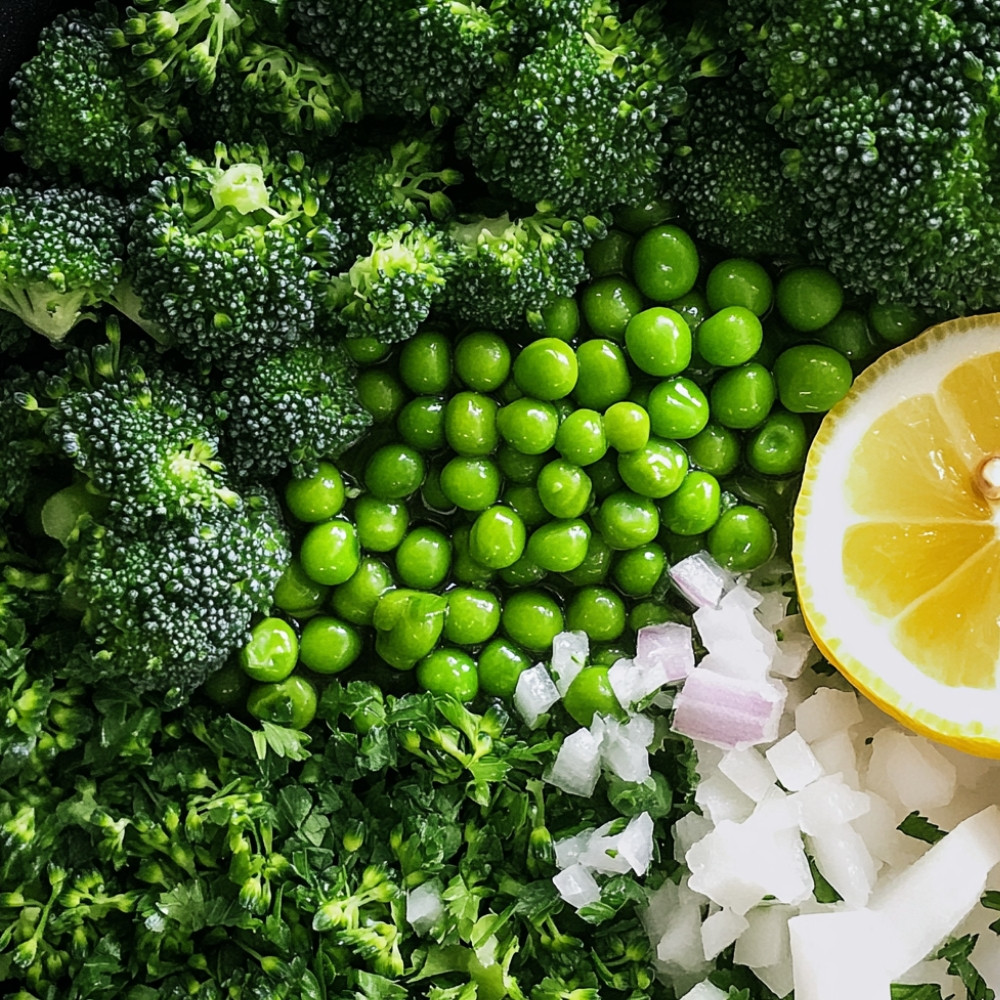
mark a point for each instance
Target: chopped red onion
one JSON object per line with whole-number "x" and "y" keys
{"x": 701, "y": 580}
{"x": 667, "y": 648}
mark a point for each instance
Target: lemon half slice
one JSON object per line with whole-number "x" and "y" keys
{"x": 896, "y": 541}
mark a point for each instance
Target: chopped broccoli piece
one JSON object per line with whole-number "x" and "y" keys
{"x": 529, "y": 23}
{"x": 61, "y": 254}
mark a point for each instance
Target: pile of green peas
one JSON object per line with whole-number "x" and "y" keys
{"x": 512, "y": 489}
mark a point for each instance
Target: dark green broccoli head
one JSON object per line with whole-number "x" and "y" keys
{"x": 529, "y": 23}
{"x": 389, "y": 292}
{"x": 291, "y": 409}
{"x": 72, "y": 113}
{"x": 506, "y": 271}
{"x": 61, "y": 253}
{"x": 228, "y": 252}
{"x": 422, "y": 59}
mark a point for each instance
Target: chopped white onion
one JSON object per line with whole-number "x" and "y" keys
{"x": 749, "y": 771}
{"x": 535, "y": 694}
{"x": 704, "y": 991}
{"x": 826, "y": 713}
{"x": 424, "y": 907}
{"x": 794, "y": 763}
{"x": 577, "y": 765}
{"x": 635, "y": 843}
{"x": 720, "y": 930}
{"x": 569, "y": 656}
{"x": 577, "y": 886}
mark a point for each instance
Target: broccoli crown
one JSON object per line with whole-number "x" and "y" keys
{"x": 72, "y": 112}
{"x": 727, "y": 172}
{"x": 528, "y": 23}
{"x": 506, "y": 271}
{"x": 228, "y": 252}
{"x": 391, "y": 291}
{"x": 61, "y": 252}
{"x": 291, "y": 409}
{"x": 24, "y": 447}
{"x": 578, "y": 125}
{"x": 424, "y": 58}
{"x": 168, "y": 599}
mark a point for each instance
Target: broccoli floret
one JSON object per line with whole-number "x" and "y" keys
{"x": 61, "y": 254}
{"x": 73, "y": 115}
{"x": 506, "y": 271}
{"x": 578, "y": 125}
{"x": 387, "y": 294}
{"x": 529, "y": 23}
{"x": 727, "y": 173}
{"x": 167, "y": 600}
{"x": 24, "y": 448}
{"x": 289, "y": 410}
{"x": 228, "y": 253}
{"x": 420, "y": 58}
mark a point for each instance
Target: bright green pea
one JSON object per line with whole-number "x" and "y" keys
{"x": 330, "y": 552}
{"x": 637, "y": 571}
{"x": 603, "y": 374}
{"x": 561, "y": 318}
{"x": 431, "y": 494}
{"x": 381, "y": 524}
{"x": 589, "y": 694}
{"x": 291, "y": 702}
{"x": 778, "y": 447}
{"x": 425, "y": 363}
{"x": 529, "y": 425}
{"x": 742, "y": 539}
{"x": 470, "y": 424}
{"x": 559, "y": 546}
{"x": 546, "y": 369}
{"x": 355, "y": 599}
{"x": 739, "y": 282}
{"x": 523, "y": 573}
{"x": 471, "y": 482}
{"x": 449, "y": 671}
{"x": 508, "y": 392}
{"x": 525, "y": 500}
{"x": 677, "y": 408}
{"x": 694, "y": 507}
{"x": 421, "y": 423}
{"x": 482, "y": 360}
{"x": 272, "y": 651}
{"x": 716, "y": 449}
{"x": 895, "y": 322}
{"x": 742, "y": 397}
{"x": 500, "y": 664}
{"x": 473, "y": 616}
{"x": 731, "y": 336}
{"x": 627, "y": 520}
{"x": 423, "y": 558}
{"x": 381, "y": 394}
{"x": 610, "y": 255}
{"x": 812, "y": 377}
{"x": 497, "y": 537}
{"x": 564, "y": 488}
{"x": 665, "y": 263}
{"x": 596, "y": 563}
{"x": 580, "y": 438}
{"x": 659, "y": 341}
{"x": 394, "y": 471}
{"x": 639, "y": 218}
{"x": 649, "y": 613}
{"x": 365, "y": 350}
{"x": 808, "y": 298}
{"x": 317, "y": 497}
{"x": 693, "y": 307}
{"x": 608, "y": 304}
{"x": 297, "y": 593}
{"x": 655, "y": 470}
{"x": 626, "y": 426}
{"x": 598, "y": 611}
{"x": 518, "y": 467}
{"x": 408, "y": 624}
{"x": 329, "y": 645}
{"x": 464, "y": 569}
{"x": 848, "y": 332}
{"x": 532, "y": 619}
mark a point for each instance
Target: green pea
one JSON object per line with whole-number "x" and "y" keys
{"x": 742, "y": 397}
{"x": 471, "y": 482}
{"x": 608, "y": 304}
{"x": 580, "y": 438}
{"x": 589, "y": 694}
{"x": 639, "y": 218}
{"x": 604, "y": 477}
{"x": 519, "y": 467}
{"x": 355, "y": 599}
{"x": 546, "y": 369}
{"x": 421, "y": 423}
{"x": 677, "y": 408}
{"x": 655, "y": 470}
{"x": 272, "y": 651}
{"x": 777, "y": 336}
{"x": 778, "y": 447}
{"x": 559, "y": 546}
{"x": 598, "y": 611}
{"x": 291, "y": 702}
{"x": 848, "y": 332}
{"x": 739, "y": 282}
{"x": 431, "y": 494}
{"x": 508, "y": 392}
{"x": 394, "y": 471}
{"x": 529, "y": 425}
{"x": 298, "y": 594}
{"x": 716, "y": 449}
{"x": 464, "y": 568}
{"x": 742, "y": 539}
{"x": 564, "y": 488}
{"x": 561, "y": 318}
{"x": 523, "y": 573}
{"x": 693, "y": 307}
{"x": 425, "y": 363}
{"x": 380, "y": 524}
{"x": 329, "y": 645}
{"x": 626, "y": 426}
{"x": 470, "y": 423}
{"x": 532, "y": 619}
{"x": 330, "y": 552}
{"x": 317, "y": 497}
{"x": 627, "y": 520}
{"x": 649, "y": 613}
{"x": 808, "y": 298}
{"x": 895, "y": 322}
{"x": 381, "y": 394}
{"x": 695, "y": 506}
{"x": 603, "y": 374}
{"x": 811, "y": 378}
{"x": 596, "y": 563}
{"x": 449, "y": 671}
{"x": 500, "y": 664}
{"x": 228, "y": 686}
{"x": 473, "y": 616}
{"x": 365, "y": 350}
{"x": 408, "y": 624}
{"x": 423, "y": 558}
{"x": 731, "y": 336}
{"x": 665, "y": 263}
{"x": 636, "y": 572}
{"x": 527, "y": 503}
{"x": 659, "y": 341}
{"x": 681, "y": 546}
{"x": 482, "y": 360}
{"x": 497, "y": 537}
{"x": 610, "y": 255}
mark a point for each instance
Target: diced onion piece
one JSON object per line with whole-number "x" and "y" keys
{"x": 577, "y": 765}
{"x": 749, "y": 771}
{"x": 569, "y": 656}
{"x": 705, "y": 991}
{"x": 535, "y": 694}
{"x": 793, "y": 762}
{"x": 667, "y": 648}
{"x": 826, "y": 712}
{"x": 846, "y": 863}
{"x": 424, "y": 907}
{"x": 701, "y": 580}
{"x": 635, "y": 843}
{"x": 720, "y": 930}
{"x": 577, "y": 886}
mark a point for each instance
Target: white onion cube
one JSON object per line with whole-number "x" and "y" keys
{"x": 829, "y": 801}
{"x": 837, "y": 755}
{"x": 749, "y": 771}
{"x": 569, "y": 656}
{"x": 720, "y": 930}
{"x": 704, "y": 991}
{"x": 624, "y": 747}
{"x": 635, "y": 843}
{"x": 577, "y": 765}
{"x": 826, "y": 712}
{"x": 845, "y": 861}
{"x": 765, "y": 941}
{"x": 424, "y": 907}
{"x": 909, "y": 768}
{"x": 794, "y": 763}
{"x": 535, "y": 694}
{"x": 577, "y": 886}
{"x": 719, "y": 799}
